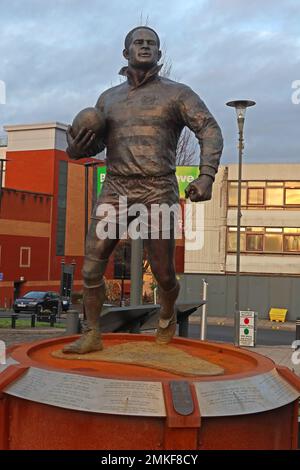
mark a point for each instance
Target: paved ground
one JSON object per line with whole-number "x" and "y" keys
{"x": 28, "y": 335}
{"x": 282, "y": 355}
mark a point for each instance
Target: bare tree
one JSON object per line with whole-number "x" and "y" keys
{"x": 186, "y": 152}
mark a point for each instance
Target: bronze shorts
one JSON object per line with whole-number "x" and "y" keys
{"x": 149, "y": 191}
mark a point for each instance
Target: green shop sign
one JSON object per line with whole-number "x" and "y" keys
{"x": 184, "y": 174}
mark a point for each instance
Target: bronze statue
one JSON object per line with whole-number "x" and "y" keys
{"x": 144, "y": 118}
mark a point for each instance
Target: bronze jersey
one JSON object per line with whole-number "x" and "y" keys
{"x": 144, "y": 123}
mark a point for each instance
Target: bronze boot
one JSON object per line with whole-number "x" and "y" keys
{"x": 90, "y": 341}
{"x": 168, "y": 318}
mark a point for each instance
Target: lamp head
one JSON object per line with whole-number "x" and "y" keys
{"x": 240, "y": 108}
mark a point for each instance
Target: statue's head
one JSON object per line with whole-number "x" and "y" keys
{"x": 142, "y": 47}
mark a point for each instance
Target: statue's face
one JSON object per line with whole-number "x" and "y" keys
{"x": 143, "y": 51}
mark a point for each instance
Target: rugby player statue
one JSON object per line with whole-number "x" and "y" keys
{"x": 139, "y": 122}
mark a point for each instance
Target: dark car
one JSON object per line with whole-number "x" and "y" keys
{"x": 38, "y": 301}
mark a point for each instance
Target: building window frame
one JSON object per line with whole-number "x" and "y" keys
{"x": 255, "y": 203}
{"x": 24, "y": 249}
{"x": 263, "y": 233}
{"x": 264, "y": 186}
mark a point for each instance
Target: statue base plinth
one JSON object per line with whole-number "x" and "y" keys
{"x": 136, "y": 394}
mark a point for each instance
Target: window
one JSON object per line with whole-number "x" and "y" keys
{"x": 274, "y": 195}
{"x": 292, "y": 196}
{"x": 54, "y": 295}
{"x": 233, "y": 194}
{"x": 265, "y": 240}
{"x": 25, "y": 255}
{"x": 61, "y": 208}
{"x": 292, "y": 243}
{"x": 273, "y": 242}
{"x": 255, "y": 196}
{"x": 291, "y": 240}
{"x": 265, "y": 194}
{"x": 232, "y": 239}
{"x": 254, "y": 242}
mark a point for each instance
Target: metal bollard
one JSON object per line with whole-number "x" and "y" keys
{"x": 73, "y": 325}
{"x": 52, "y": 319}
{"x": 155, "y": 295}
{"x": 33, "y": 318}
{"x": 204, "y": 313}
{"x": 14, "y": 317}
{"x": 298, "y": 331}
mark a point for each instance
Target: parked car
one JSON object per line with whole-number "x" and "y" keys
{"x": 39, "y": 301}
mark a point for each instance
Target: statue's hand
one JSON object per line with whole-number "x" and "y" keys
{"x": 200, "y": 189}
{"x": 83, "y": 145}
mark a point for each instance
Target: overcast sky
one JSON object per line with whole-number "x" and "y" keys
{"x": 57, "y": 56}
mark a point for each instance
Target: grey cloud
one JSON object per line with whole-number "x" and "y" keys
{"x": 56, "y": 58}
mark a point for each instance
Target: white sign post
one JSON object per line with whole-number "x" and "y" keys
{"x": 247, "y": 336}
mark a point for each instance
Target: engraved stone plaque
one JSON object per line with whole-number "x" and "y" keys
{"x": 244, "y": 396}
{"x": 93, "y": 394}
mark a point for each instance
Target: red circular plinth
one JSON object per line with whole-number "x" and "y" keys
{"x": 81, "y": 404}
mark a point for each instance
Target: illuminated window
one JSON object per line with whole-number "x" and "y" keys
{"x": 274, "y": 196}
{"x": 254, "y": 242}
{"x": 256, "y": 184}
{"x": 25, "y": 255}
{"x": 233, "y": 194}
{"x": 292, "y": 243}
{"x": 269, "y": 194}
{"x": 255, "y": 196}
{"x": 292, "y": 196}
{"x": 292, "y": 184}
{"x": 255, "y": 229}
{"x": 231, "y": 239}
{"x": 265, "y": 239}
{"x": 291, "y": 230}
{"x": 273, "y": 242}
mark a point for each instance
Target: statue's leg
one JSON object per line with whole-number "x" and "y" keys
{"x": 95, "y": 262}
{"x": 161, "y": 257}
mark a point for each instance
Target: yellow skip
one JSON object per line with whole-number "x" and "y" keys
{"x": 278, "y": 314}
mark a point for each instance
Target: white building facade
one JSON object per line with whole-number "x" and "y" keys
{"x": 270, "y": 241}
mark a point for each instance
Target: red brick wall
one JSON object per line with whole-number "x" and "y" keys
{"x": 10, "y": 257}
{"x": 31, "y": 170}
{"x": 18, "y": 205}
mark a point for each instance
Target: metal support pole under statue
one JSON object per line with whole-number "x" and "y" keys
{"x": 136, "y": 272}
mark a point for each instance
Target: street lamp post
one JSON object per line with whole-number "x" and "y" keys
{"x": 240, "y": 107}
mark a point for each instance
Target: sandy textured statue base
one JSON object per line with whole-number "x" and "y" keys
{"x": 149, "y": 354}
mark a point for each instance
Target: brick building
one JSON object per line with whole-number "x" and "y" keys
{"x": 42, "y": 213}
